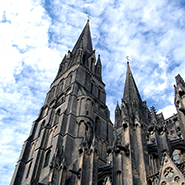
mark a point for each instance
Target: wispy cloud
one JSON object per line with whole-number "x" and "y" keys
{"x": 35, "y": 35}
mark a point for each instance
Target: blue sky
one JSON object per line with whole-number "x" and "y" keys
{"x": 35, "y": 35}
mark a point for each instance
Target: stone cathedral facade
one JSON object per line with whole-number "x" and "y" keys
{"x": 73, "y": 141}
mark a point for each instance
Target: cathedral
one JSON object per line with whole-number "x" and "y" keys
{"x": 74, "y": 142}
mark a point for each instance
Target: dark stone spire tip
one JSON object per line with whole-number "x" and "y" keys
{"x": 130, "y": 91}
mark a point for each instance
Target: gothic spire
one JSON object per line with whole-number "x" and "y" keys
{"x": 117, "y": 116}
{"x": 83, "y": 47}
{"x": 130, "y": 91}
{"x": 98, "y": 67}
{"x": 84, "y": 41}
{"x": 153, "y": 115}
{"x": 117, "y": 106}
{"x": 99, "y": 61}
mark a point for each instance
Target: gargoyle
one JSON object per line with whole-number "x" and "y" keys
{"x": 77, "y": 173}
{"x": 124, "y": 148}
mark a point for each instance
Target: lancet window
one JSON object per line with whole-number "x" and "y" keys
{"x": 46, "y": 162}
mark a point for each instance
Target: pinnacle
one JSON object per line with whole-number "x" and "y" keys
{"x": 153, "y": 109}
{"x": 153, "y": 115}
{"x": 179, "y": 80}
{"x": 99, "y": 60}
{"x": 117, "y": 106}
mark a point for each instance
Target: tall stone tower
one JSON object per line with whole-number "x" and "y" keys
{"x": 69, "y": 139}
{"x": 130, "y": 150}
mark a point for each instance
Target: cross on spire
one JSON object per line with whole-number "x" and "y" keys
{"x": 88, "y": 17}
{"x": 127, "y": 57}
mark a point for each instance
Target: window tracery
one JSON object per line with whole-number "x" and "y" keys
{"x": 47, "y": 157}
{"x": 168, "y": 172}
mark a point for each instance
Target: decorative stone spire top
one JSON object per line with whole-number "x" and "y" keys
{"x": 84, "y": 41}
{"x": 153, "y": 115}
{"x": 98, "y": 68}
{"x": 99, "y": 61}
{"x": 130, "y": 91}
{"x": 117, "y": 106}
{"x": 179, "y": 80}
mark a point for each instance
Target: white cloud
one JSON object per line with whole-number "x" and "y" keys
{"x": 28, "y": 66}
{"x": 168, "y": 111}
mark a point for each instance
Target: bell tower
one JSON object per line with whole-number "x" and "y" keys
{"x": 130, "y": 154}
{"x": 69, "y": 138}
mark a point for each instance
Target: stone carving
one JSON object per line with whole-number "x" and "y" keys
{"x": 160, "y": 130}
{"x": 169, "y": 172}
{"x": 177, "y": 179}
{"x": 57, "y": 159}
{"x": 153, "y": 140}
{"x": 107, "y": 181}
{"x": 124, "y": 148}
{"x": 119, "y": 139}
{"x": 77, "y": 173}
{"x": 153, "y": 179}
{"x": 151, "y": 130}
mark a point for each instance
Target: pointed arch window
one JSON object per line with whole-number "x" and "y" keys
{"x": 32, "y": 149}
{"x": 61, "y": 99}
{"x": 60, "y": 86}
{"x": 46, "y": 162}
{"x": 84, "y": 60}
{"x": 97, "y": 125}
{"x": 92, "y": 60}
{"x": 57, "y": 116}
{"x": 154, "y": 163}
{"x": 99, "y": 93}
{"x": 81, "y": 129}
{"x": 42, "y": 126}
{"x": 51, "y": 93}
{"x": 92, "y": 86}
{"x": 86, "y": 127}
{"x": 29, "y": 167}
{"x": 43, "y": 111}
{"x": 61, "y": 68}
{"x": 70, "y": 79}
